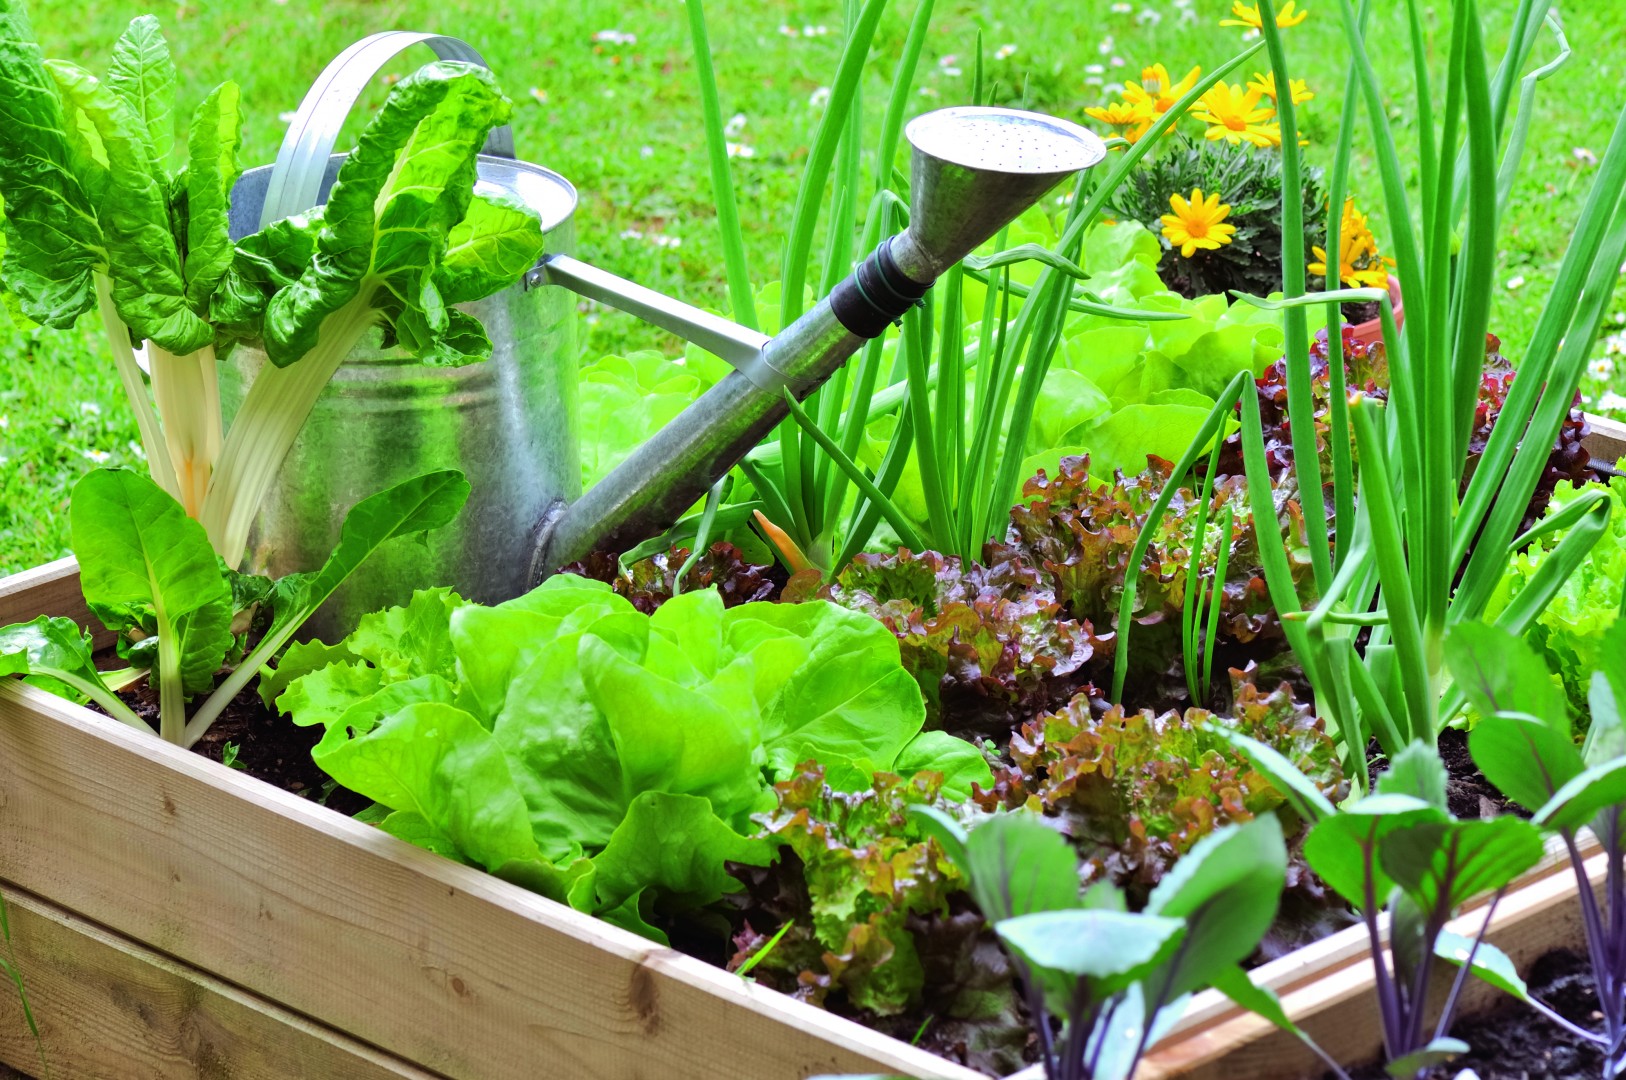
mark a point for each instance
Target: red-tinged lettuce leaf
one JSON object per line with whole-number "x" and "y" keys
{"x": 1135, "y": 790}
{"x": 989, "y": 645}
{"x": 649, "y": 583}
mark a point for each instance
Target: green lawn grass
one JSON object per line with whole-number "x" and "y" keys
{"x": 621, "y": 119}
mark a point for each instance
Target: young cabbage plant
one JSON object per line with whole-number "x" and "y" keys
{"x": 1412, "y": 559}
{"x": 1103, "y": 983}
{"x": 1399, "y": 851}
{"x": 149, "y": 574}
{"x": 95, "y": 218}
{"x": 1524, "y": 744}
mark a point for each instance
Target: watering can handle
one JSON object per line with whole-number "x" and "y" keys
{"x": 296, "y": 179}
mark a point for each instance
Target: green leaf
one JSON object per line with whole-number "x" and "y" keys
{"x": 1499, "y": 672}
{"x": 1491, "y": 964}
{"x": 300, "y": 659}
{"x": 1300, "y": 791}
{"x": 961, "y": 763}
{"x": 148, "y": 290}
{"x": 421, "y": 504}
{"x": 1443, "y": 864}
{"x": 1606, "y": 695}
{"x": 57, "y": 649}
{"x": 385, "y": 228}
{"x": 211, "y": 171}
{"x": 1019, "y": 866}
{"x": 1437, "y": 1052}
{"x": 1262, "y": 1001}
{"x": 1113, "y": 948}
{"x": 1226, "y": 890}
{"x": 1585, "y": 795}
{"x": 675, "y": 844}
{"x": 1527, "y": 758}
{"x": 498, "y": 240}
{"x": 138, "y": 551}
{"x": 54, "y": 244}
{"x": 1344, "y": 849}
{"x": 1418, "y": 772}
{"x": 143, "y": 76}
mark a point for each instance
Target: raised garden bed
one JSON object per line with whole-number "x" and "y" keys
{"x": 173, "y": 914}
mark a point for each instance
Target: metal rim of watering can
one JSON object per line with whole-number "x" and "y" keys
{"x": 296, "y": 178}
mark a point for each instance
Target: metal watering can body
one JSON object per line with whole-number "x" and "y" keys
{"x": 509, "y": 423}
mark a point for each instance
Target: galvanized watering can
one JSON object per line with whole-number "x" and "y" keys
{"x": 510, "y": 423}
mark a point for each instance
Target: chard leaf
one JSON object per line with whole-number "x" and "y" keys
{"x": 259, "y": 267}
{"x": 1525, "y": 757}
{"x": 57, "y": 649}
{"x": 134, "y": 211}
{"x": 402, "y": 190}
{"x": 54, "y": 244}
{"x": 139, "y": 552}
{"x": 418, "y": 505}
{"x": 211, "y": 171}
{"x": 498, "y": 240}
{"x": 143, "y": 76}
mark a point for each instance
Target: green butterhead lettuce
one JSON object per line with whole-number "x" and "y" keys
{"x": 634, "y": 749}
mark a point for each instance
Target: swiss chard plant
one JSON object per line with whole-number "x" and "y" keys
{"x": 182, "y": 615}
{"x": 607, "y": 758}
{"x": 1102, "y": 983}
{"x": 96, "y": 218}
{"x": 1524, "y": 743}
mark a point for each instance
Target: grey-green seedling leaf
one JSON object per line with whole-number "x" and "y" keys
{"x": 143, "y": 75}
{"x": 211, "y": 171}
{"x": 1438, "y": 1052}
{"x": 498, "y": 240}
{"x": 1491, "y": 964}
{"x": 400, "y": 193}
{"x": 1110, "y": 949}
{"x": 53, "y": 242}
{"x": 1527, "y": 758}
{"x": 1585, "y": 795}
{"x": 1606, "y": 697}
{"x": 950, "y": 835}
{"x": 1262, "y": 1001}
{"x": 139, "y": 551}
{"x": 1019, "y": 866}
{"x": 1418, "y": 772}
{"x": 134, "y": 213}
{"x": 1443, "y": 864}
{"x": 1499, "y": 672}
{"x": 53, "y": 648}
{"x": 1343, "y": 848}
{"x": 1226, "y": 890}
{"x": 1301, "y": 793}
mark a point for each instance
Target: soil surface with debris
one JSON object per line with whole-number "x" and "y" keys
{"x": 264, "y": 744}
{"x": 1514, "y": 1042}
{"x": 1468, "y": 794}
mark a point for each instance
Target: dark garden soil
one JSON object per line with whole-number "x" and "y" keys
{"x": 1362, "y": 312}
{"x": 1468, "y": 794}
{"x": 1513, "y": 1042}
{"x": 265, "y": 745}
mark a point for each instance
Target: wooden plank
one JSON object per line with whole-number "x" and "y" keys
{"x": 108, "y": 1007}
{"x": 1339, "y": 1011}
{"x": 1607, "y": 440}
{"x": 438, "y": 963}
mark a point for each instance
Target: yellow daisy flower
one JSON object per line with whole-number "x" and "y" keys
{"x": 1234, "y": 114}
{"x": 1266, "y": 84}
{"x": 1130, "y": 121}
{"x": 1156, "y": 91}
{"x": 1197, "y": 223}
{"x": 1248, "y": 15}
{"x": 1350, "y": 251}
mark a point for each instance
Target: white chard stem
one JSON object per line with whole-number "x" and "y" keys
{"x": 187, "y": 390}
{"x": 135, "y": 390}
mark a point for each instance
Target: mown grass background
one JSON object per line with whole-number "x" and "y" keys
{"x": 619, "y": 115}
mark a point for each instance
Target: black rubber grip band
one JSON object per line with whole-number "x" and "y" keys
{"x": 876, "y": 295}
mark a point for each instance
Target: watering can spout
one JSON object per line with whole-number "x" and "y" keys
{"x": 974, "y": 171}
